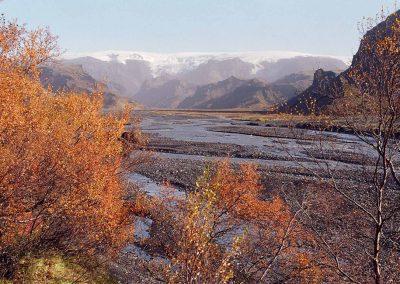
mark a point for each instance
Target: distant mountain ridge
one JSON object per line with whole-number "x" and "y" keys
{"x": 123, "y": 79}
{"x": 164, "y": 92}
{"x": 255, "y": 94}
{"x": 125, "y": 73}
{"x": 204, "y": 94}
{"x": 61, "y": 77}
{"x": 174, "y": 63}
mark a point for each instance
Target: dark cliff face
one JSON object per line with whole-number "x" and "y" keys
{"x": 328, "y": 88}
{"x": 374, "y": 35}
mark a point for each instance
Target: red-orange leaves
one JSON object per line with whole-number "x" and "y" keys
{"x": 239, "y": 192}
{"x": 59, "y": 161}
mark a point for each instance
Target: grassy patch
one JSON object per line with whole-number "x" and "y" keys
{"x": 57, "y": 269}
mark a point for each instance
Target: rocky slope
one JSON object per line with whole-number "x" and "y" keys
{"x": 124, "y": 79}
{"x": 329, "y": 89}
{"x": 246, "y": 94}
{"x": 61, "y": 77}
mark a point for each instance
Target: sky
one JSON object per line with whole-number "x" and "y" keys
{"x": 324, "y": 27}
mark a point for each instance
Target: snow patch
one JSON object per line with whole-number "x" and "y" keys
{"x": 174, "y": 63}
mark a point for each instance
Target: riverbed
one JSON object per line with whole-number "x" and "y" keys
{"x": 183, "y": 145}
{"x": 290, "y": 160}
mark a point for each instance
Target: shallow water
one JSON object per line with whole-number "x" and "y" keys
{"x": 153, "y": 188}
{"x": 282, "y": 149}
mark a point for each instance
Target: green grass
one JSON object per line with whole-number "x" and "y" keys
{"x": 57, "y": 269}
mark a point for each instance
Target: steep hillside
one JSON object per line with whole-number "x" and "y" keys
{"x": 328, "y": 89}
{"x": 72, "y": 78}
{"x": 246, "y": 94}
{"x": 204, "y": 94}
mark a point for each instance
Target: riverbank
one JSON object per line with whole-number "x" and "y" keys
{"x": 184, "y": 143}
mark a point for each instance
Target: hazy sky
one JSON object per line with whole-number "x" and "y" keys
{"x": 313, "y": 26}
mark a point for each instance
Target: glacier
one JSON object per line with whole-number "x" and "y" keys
{"x": 174, "y": 63}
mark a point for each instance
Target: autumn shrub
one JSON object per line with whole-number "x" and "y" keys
{"x": 227, "y": 230}
{"x": 60, "y": 161}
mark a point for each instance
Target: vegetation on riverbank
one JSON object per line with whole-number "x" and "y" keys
{"x": 61, "y": 161}
{"x": 58, "y": 269}
{"x": 63, "y": 188}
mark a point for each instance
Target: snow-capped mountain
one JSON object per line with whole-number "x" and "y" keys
{"x": 174, "y": 63}
{"x": 125, "y": 72}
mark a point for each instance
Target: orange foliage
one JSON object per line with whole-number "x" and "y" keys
{"x": 22, "y": 50}
{"x": 59, "y": 160}
{"x": 239, "y": 193}
{"x": 230, "y": 233}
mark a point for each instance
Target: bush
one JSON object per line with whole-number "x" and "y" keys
{"x": 60, "y": 162}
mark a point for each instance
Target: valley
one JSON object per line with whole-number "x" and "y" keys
{"x": 292, "y": 162}
{"x": 192, "y": 146}
{"x": 184, "y": 142}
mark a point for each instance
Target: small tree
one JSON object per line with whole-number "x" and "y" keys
{"x": 362, "y": 244}
{"x": 226, "y": 232}
{"x": 376, "y": 72}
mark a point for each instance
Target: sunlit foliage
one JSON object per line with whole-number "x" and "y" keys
{"x": 228, "y": 231}
{"x": 60, "y": 159}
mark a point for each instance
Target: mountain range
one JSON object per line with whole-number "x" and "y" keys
{"x": 175, "y": 63}
{"x": 294, "y": 82}
{"x": 255, "y": 94}
{"x": 166, "y": 80}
